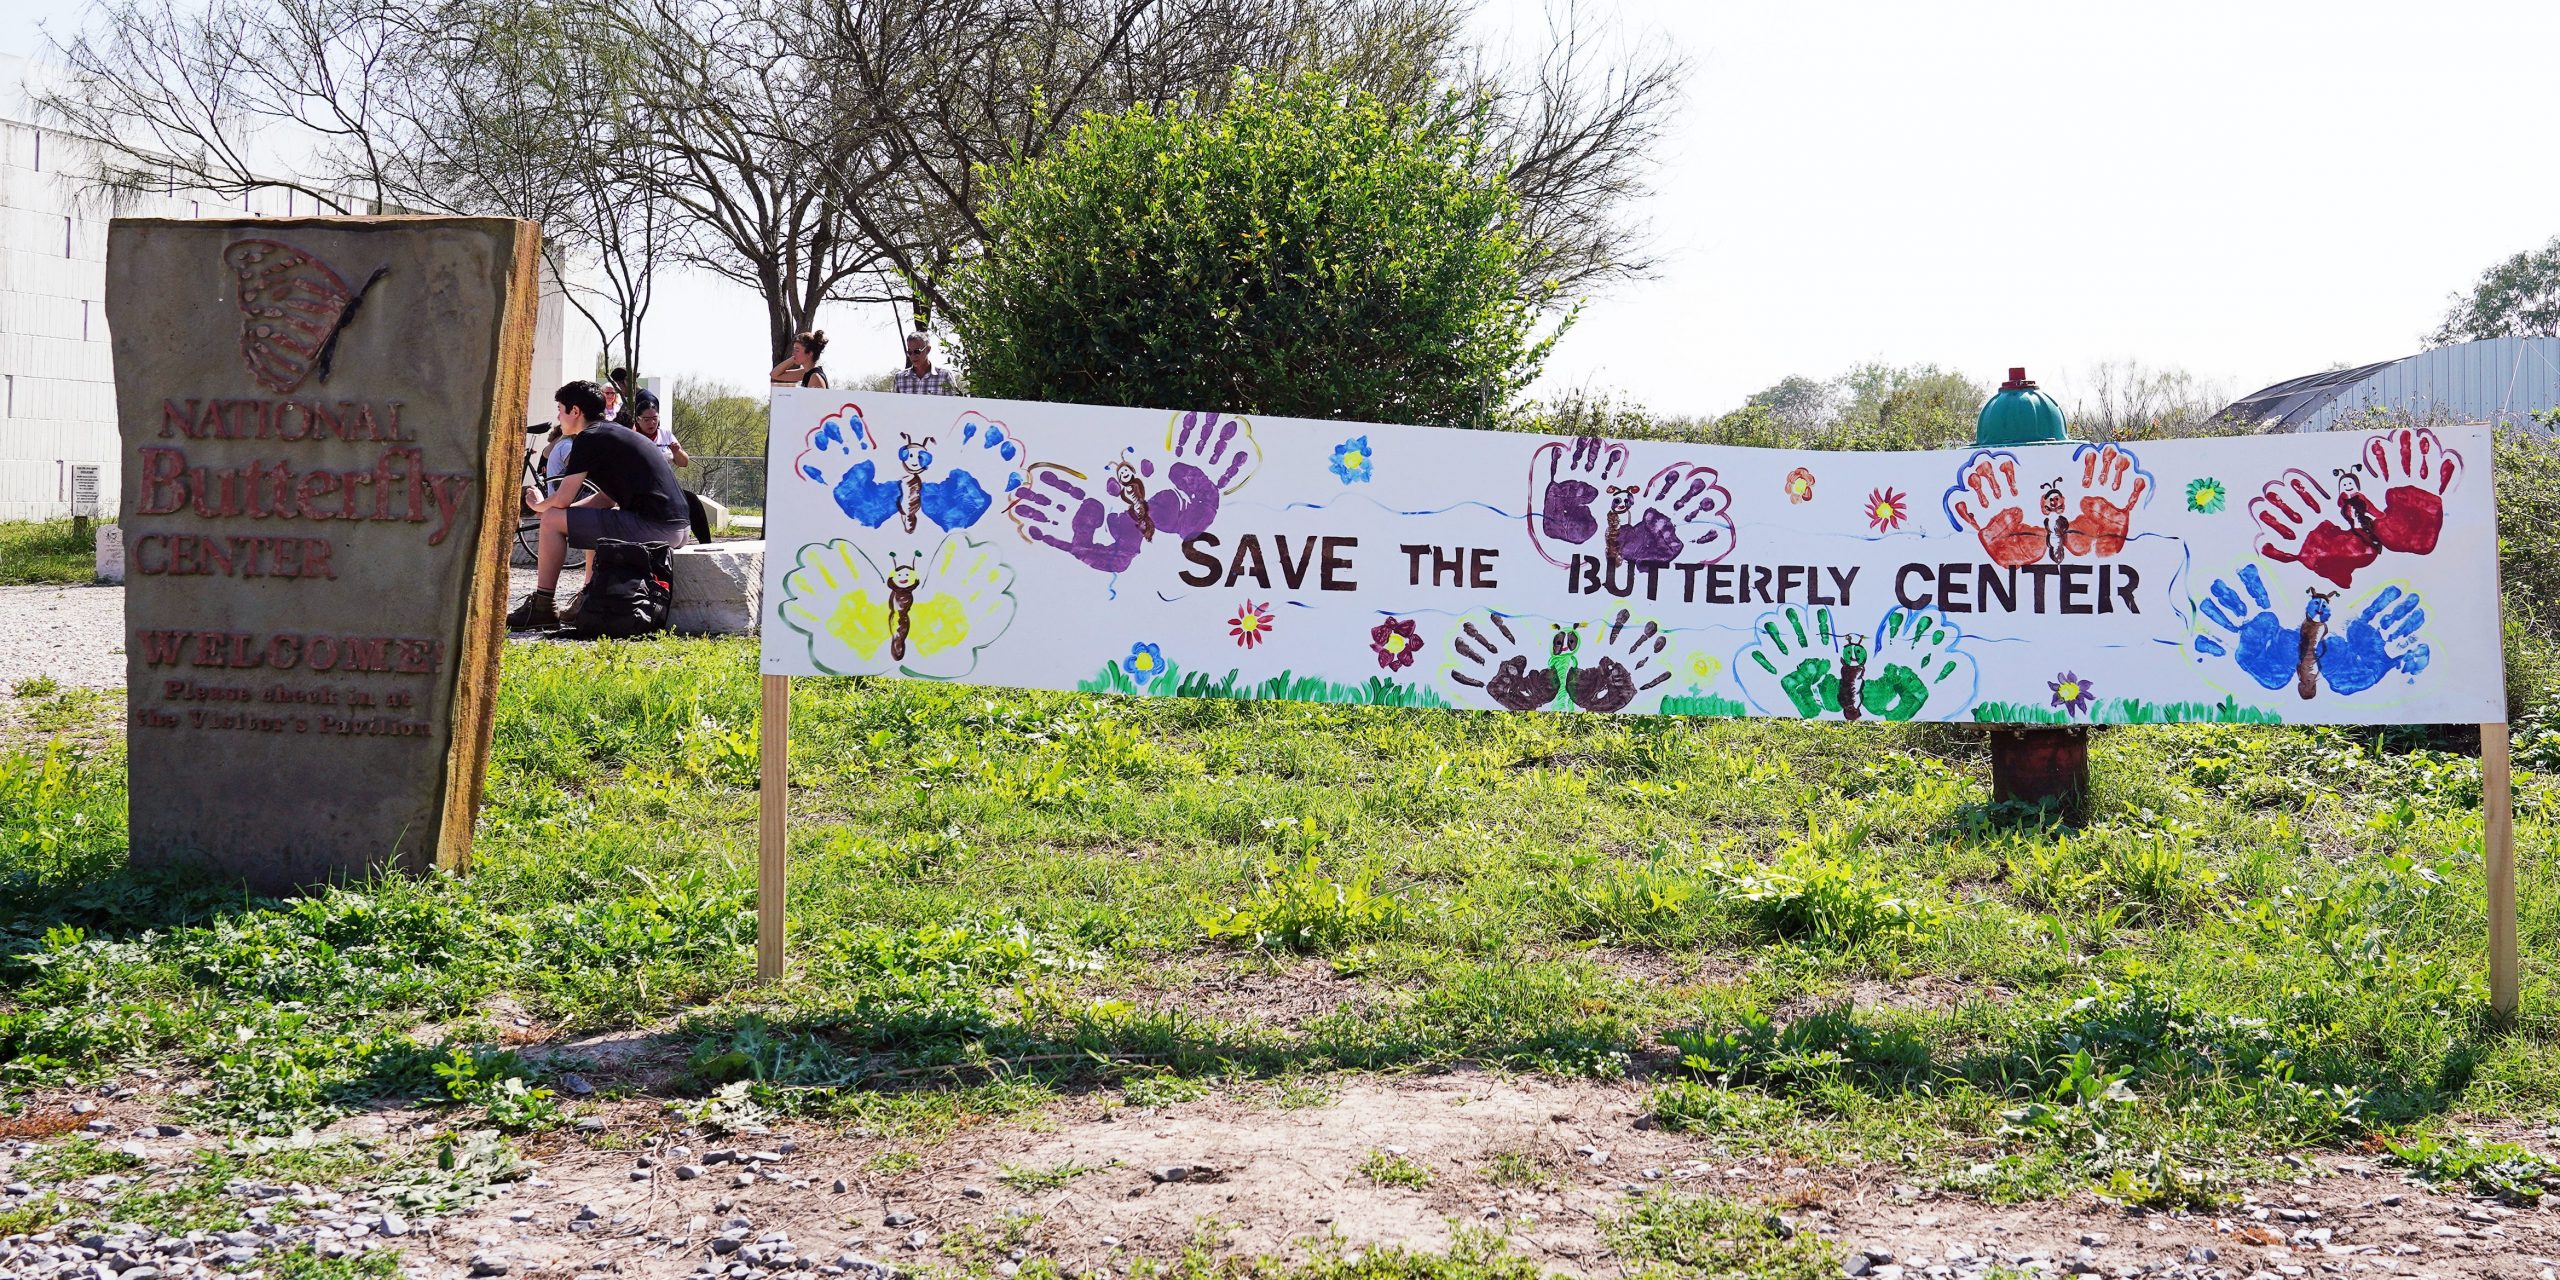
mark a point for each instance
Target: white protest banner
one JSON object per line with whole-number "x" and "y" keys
{"x": 2335, "y": 578}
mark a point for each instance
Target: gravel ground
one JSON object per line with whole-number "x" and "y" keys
{"x": 76, "y": 634}
{"x": 73, "y": 634}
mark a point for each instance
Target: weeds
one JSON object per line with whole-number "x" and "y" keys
{"x": 1832, "y": 1043}
{"x": 2161, "y": 1182}
{"x": 1689, "y": 1106}
{"x": 465, "y": 1170}
{"x": 495, "y": 1081}
{"x": 1706, "y": 1236}
{"x": 1519, "y": 1169}
{"x": 1816, "y": 890}
{"x": 1300, "y": 908}
{"x": 1162, "y": 1089}
{"x": 1391, "y": 1169}
{"x": 2500, "y": 1169}
{"x": 1029, "y": 1180}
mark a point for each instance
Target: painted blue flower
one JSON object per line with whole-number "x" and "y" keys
{"x": 1145, "y": 662}
{"x": 1351, "y": 460}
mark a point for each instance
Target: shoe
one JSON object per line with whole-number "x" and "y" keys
{"x": 535, "y": 614}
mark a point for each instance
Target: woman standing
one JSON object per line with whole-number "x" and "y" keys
{"x": 801, "y": 368}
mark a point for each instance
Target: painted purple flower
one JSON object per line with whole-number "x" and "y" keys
{"x": 2071, "y": 693}
{"x": 1395, "y": 641}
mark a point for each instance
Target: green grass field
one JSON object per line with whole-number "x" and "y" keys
{"x": 1811, "y": 939}
{"x": 45, "y": 551}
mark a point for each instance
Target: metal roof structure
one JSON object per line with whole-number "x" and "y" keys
{"x": 2504, "y": 381}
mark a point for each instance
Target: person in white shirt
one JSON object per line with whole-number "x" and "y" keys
{"x": 645, "y": 420}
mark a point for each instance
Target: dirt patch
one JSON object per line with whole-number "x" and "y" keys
{"x": 629, "y": 1191}
{"x": 1282, "y": 997}
{"x": 1666, "y": 969}
{"x": 1089, "y": 1184}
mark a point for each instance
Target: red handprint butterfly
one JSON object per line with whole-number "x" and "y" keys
{"x": 292, "y": 309}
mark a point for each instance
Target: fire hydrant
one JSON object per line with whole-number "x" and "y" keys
{"x": 2034, "y": 764}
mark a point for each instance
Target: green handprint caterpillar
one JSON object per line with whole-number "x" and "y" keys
{"x": 928, "y": 618}
{"x": 1910, "y": 666}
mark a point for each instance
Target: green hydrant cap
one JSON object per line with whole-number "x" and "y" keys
{"x": 2020, "y": 414}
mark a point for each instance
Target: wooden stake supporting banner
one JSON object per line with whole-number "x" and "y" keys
{"x": 2498, "y": 843}
{"x": 773, "y": 754}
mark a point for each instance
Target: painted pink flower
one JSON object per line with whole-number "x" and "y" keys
{"x": 1395, "y": 641}
{"x": 1799, "y": 485}
{"x": 1887, "y": 508}
{"x": 1251, "y": 625}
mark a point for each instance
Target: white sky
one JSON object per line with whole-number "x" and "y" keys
{"x": 2247, "y": 190}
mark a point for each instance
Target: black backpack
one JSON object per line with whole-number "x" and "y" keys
{"x": 630, "y": 589}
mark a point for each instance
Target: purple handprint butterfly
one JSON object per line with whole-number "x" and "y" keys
{"x": 1106, "y": 519}
{"x": 1679, "y": 516}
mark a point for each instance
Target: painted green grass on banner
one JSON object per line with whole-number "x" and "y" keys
{"x": 2127, "y": 711}
{"x": 1174, "y": 683}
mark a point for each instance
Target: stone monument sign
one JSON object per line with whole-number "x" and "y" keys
{"x": 320, "y": 452}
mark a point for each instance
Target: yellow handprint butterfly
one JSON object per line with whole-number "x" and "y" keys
{"x": 927, "y": 617}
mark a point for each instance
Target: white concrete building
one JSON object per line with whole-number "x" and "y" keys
{"x": 57, "y": 379}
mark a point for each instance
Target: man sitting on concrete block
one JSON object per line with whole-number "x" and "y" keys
{"x": 637, "y": 498}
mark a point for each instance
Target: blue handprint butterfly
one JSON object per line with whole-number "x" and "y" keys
{"x": 2377, "y": 641}
{"x": 845, "y": 454}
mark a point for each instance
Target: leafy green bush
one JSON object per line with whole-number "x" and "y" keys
{"x": 716, "y": 420}
{"x": 1872, "y": 407}
{"x": 1305, "y": 250}
{"x": 2528, "y": 483}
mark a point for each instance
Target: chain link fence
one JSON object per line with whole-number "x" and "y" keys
{"x": 734, "y": 482}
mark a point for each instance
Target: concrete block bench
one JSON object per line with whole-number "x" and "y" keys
{"x": 719, "y": 589}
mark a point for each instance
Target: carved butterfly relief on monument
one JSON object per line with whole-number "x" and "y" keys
{"x": 292, "y": 309}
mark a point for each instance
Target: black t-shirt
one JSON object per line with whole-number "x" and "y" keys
{"x": 629, "y": 470}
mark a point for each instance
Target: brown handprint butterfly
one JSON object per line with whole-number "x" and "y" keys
{"x": 292, "y": 309}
